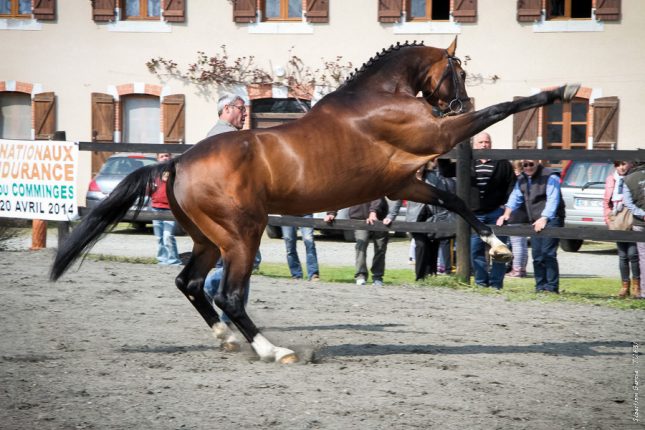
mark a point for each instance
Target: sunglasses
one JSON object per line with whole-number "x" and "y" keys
{"x": 528, "y": 164}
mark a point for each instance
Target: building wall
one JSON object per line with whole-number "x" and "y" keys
{"x": 74, "y": 56}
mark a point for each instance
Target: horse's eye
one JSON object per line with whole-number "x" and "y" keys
{"x": 463, "y": 75}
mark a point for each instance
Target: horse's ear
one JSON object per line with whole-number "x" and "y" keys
{"x": 452, "y": 48}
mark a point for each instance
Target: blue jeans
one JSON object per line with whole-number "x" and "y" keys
{"x": 166, "y": 244}
{"x": 290, "y": 236}
{"x": 545, "y": 260}
{"x": 494, "y": 278}
{"x": 212, "y": 281}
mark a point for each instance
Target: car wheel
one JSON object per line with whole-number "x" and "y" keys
{"x": 274, "y": 231}
{"x": 570, "y": 245}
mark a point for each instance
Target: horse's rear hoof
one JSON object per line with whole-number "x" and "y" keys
{"x": 230, "y": 346}
{"x": 501, "y": 254}
{"x": 288, "y": 359}
{"x": 570, "y": 91}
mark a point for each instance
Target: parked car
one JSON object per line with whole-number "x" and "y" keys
{"x": 113, "y": 171}
{"x": 583, "y": 187}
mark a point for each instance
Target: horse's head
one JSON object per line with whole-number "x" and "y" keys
{"x": 444, "y": 84}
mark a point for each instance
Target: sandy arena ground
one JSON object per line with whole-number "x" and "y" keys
{"x": 116, "y": 346}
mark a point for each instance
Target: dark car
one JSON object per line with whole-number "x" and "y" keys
{"x": 117, "y": 167}
{"x": 583, "y": 188}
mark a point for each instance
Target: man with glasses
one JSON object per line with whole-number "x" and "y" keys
{"x": 232, "y": 114}
{"x": 537, "y": 191}
{"x": 492, "y": 184}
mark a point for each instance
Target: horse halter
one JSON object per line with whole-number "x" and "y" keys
{"x": 456, "y": 105}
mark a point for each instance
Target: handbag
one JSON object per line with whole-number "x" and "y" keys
{"x": 621, "y": 221}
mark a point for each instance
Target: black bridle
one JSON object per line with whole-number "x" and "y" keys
{"x": 456, "y": 105}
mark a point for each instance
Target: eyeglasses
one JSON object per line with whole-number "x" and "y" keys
{"x": 241, "y": 108}
{"x": 528, "y": 164}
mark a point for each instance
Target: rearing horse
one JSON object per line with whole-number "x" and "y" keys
{"x": 363, "y": 141}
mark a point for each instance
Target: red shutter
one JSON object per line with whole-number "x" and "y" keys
{"x": 608, "y": 10}
{"x": 174, "y": 118}
{"x": 605, "y": 123}
{"x": 389, "y": 10}
{"x": 529, "y": 10}
{"x": 45, "y": 115}
{"x": 103, "y": 10}
{"x": 317, "y": 11}
{"x": 45, "y": 10}
{"x": 465, "y": 11}
{"x": 174, "y": 10}
{"x": 525, "y": 128}
{"x": 244, "y": 10}
{"x": 103, "y": 116}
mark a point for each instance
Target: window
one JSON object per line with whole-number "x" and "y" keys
{"x": 428, "y": 10}
{"x": 15, "y": 115}
{"x": 282, "y": 10}
{"x": 15, "y": 8}
{"x": 141, "y": 115}
{"x": 141, "y": 9}
{"x": 566, "y": 125}
{"x": 568, "y": 9}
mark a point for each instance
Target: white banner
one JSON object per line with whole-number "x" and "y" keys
{"x": 38, "y": 179}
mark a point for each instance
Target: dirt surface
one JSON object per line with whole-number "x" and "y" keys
{"x": 116, "y": 346}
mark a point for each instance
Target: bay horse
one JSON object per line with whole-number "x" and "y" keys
{"x": 363, "y": 141}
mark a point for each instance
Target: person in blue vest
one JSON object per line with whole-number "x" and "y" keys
{"x": 537, "y": 191}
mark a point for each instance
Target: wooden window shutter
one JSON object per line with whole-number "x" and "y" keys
{"x": 465, "y": 11}
{"x": 45, "y": 10}
{"x": 173, "y": 110}
{"x": 389, "y": 10}
{"x": 103, "y": 116}
{"x": 317, "y": 11}
{"x": 174, "y": 10}
{"x": 103, "y": 10}
{"x": 605, "y": 123}
{"x": 529, "y": 10}
{"x": 608, "y": 10}
{"x": 44, "y": 115}
{"x": 525, "y": 128}
{"x": 244, "y": 10}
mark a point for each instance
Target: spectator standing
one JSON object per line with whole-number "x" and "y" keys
{"x": 538, "y": 188}
{"x": 427, "y": 244}
{"x": 164, "y": 230}
{"x": 493, "y": 182}
{"x": 612, "y": 203}
{"x": 290, "y": 236}
{"x": 519, "y": 244}
{"x": 371, "y": 212}
{"x": 634, "y": 200}
{"x": 231, "y": 113}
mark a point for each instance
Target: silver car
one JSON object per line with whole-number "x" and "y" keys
{"x": 115, "y": 169}
{"x": 583, "y": 187}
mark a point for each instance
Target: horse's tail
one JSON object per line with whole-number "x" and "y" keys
{"x": 131, "y": 191}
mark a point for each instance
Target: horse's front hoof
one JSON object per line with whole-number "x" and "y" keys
{"x": 570, "y": 91}
{"x": 230, "y": 346}
{"x": 289, "y": 359}
{"x": 285, "y": 356}
{"x": 501, "y": 254}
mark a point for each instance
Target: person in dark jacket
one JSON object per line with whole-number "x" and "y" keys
{"x": 371, "y": 212}
{"x": 537, "y": 191}
{"x": 493, "y": 182}
{"x": 634, "y": 200}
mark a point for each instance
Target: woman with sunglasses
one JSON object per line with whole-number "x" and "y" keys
{"x": 537, "y": 191}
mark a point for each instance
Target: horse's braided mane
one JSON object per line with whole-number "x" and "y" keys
{"x": 375, "y": 59}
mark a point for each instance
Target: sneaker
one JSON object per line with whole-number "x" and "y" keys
{"x": 516, "y": 273}
{"x": 315, "y": 278}
{"x": 360, "y": 280}
{"x": 377, "y": 283}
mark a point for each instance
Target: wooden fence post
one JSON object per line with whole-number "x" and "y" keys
{"x": 464, "y": 161}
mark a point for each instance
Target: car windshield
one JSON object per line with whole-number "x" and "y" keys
{"x": 581, "y": 173}
{"x": 124, "y": 165}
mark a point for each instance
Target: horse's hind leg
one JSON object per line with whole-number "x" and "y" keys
{"x": 418, "y": 191}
